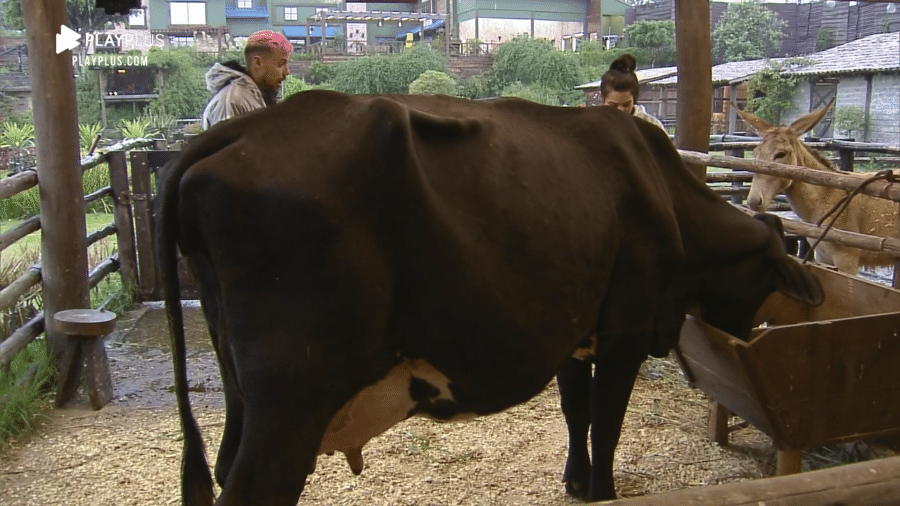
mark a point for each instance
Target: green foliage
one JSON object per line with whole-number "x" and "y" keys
{"x": 824, "y": 39}
{"x": 386, "y": 74}
{"x": 480, "y": 86}
{"x": 772, "y": 93}
{"x": 16, "y": 135}
{"x": 747, "y": 31}
{"x": 87, "y": 94}
{"x": 849, "y": 119}
{"x": 87, "y": 132}
{"x": 23, "y": 404}
{"x": 533, "y": 92}
{"x": 656, "y": 39}
{"x": 535, "y": 61}
{"x": 293, "y": 85}
{"x": 432, "y": 82}
{"x": 183, "y": 93}
{"x": 320, "y": 72}
{"x": 135, "y": 129}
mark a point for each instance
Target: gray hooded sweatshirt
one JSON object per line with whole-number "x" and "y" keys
{"x": 234, "y": 93}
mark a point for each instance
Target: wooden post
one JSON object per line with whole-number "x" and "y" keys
{"x": 63, "y": 248}
{"x": 789, "y": 462}
{"x": 694, "y": 105}
{"x": 846, "y": 162}
{"x": 122, "y": 217}
{"x": 141, "y": 197}
{"x": 717, "y": 430}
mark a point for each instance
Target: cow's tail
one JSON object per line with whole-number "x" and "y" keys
{"x": 196, "y": 480}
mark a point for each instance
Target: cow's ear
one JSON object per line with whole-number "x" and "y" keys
{"x": 795, "y": 281}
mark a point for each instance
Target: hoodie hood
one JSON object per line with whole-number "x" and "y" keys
{"x": 221, "y": 74}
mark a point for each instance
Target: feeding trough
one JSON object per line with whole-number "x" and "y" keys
{"x": 808, "y": 376}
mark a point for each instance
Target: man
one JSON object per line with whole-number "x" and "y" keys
{"x": 236, "y": 89}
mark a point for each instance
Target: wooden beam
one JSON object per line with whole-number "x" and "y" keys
{"x": 63, "y": 250}
{"x": 694, "y": 106}
{"x": 872, "y": 483}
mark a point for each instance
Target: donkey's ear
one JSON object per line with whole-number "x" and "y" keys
{"x": 806, "y": 122}
{"x": 758, "y": 124}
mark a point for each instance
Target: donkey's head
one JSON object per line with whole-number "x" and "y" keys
{"x": 781, "y": 144}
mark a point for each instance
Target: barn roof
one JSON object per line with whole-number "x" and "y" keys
{"x": 643, "y": 75}
{"x": 879, "y": 52}
{"x": 875, "y": 53}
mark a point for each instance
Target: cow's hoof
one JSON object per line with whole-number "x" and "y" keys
{"x": 576, "y": 489}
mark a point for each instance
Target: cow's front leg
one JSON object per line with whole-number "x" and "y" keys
{"x": 614, "y": 376}
{"x": 574, "y": 381}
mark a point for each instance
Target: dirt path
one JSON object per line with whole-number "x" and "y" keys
{"x": 129, "y": 452}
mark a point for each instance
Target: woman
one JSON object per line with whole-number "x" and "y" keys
{"x": 619, "y": 88}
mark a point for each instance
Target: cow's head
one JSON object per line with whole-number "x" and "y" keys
{"x": 780, "y": 144}
{"x": 727, "y": 290}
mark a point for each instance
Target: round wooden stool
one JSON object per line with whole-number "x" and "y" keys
{"x": 86, "y": 329}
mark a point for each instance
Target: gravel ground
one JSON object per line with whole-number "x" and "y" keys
{"x": 129, "y": 452}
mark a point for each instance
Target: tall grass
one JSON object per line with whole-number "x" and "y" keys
{"x": 21, "y": 406}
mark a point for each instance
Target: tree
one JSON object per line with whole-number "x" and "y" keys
{"x": 386, "y": 74}
{"x": 84, "y": 17}
{"x": 656, "y": 39}
{"x": 535, "y": 61}
{"x": 432, "y": 82}
{"x": 747, "y": 31}
{"x": 772, "y": 93}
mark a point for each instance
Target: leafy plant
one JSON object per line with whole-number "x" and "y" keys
{"x": 159, "y": 122}
{"x": 655, "y": 38}
{"x": 772, "y": 92}
{"x": 747, "y": 31}
{"x": 134, "y": 129}
{"x": 16, "y": 135}
{"x": 849, "y": 119}
{"x": 432, "y": 82}
{"x": 293, "y": 85}
{"x": 824, "y": 39}
{"x": 87, "y": 132}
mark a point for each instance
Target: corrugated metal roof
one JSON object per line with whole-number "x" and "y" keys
{"x": 643, "y": 75}
{"x": 879, "y": 52}
{"x": 727, "y": 72}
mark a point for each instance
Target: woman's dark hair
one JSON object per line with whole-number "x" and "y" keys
{"x": 621, "y": 77}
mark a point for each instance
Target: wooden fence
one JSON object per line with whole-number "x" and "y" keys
{"x": 122, "y": 261}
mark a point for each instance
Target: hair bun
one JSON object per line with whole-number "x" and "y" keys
{"x": 624, "y": 63}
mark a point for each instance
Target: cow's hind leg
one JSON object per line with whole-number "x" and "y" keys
{"x": 231, "y": 437}
{"x": 614, "y": 376}
{"x": 277, "y": 448}
{"x": 575, "y": 392}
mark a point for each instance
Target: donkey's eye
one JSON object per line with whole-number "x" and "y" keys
{"x": 779, "y": 155}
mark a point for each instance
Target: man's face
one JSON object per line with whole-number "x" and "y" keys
{"x": 270, "y": 69}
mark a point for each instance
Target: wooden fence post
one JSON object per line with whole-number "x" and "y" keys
{"x": 141, "y": 197}
{"x": 846, "y": 156}
{"x": 63, "y": 244}
{"x": 122, "y": 217}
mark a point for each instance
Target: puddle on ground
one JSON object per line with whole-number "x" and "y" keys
{"x": 140, "y": 359}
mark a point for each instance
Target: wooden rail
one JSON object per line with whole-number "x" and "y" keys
{"x": 118, "y": 191}
{"x": 872, "y": 483}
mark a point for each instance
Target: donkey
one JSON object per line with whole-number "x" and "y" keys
{"x": 867, "y": 215}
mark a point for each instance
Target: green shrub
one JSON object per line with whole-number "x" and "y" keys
{"x": 87, "y": 132}
{"x": 432, "y": 82}
{"x": 849, "y": 119}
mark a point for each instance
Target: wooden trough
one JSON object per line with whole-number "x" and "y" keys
{"x": 809, "y": 376}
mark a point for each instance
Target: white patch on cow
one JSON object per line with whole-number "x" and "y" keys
{"x": 587, "y": 352}
{"x": 379, "y": 406}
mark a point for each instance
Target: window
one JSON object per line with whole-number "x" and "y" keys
{"x": 290, "y": 14}
{"x": 187, "y": 13}
{"x": 181, "y": 41}
{"x": 136, "y": 17}
{"x": 245, "y": 4}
